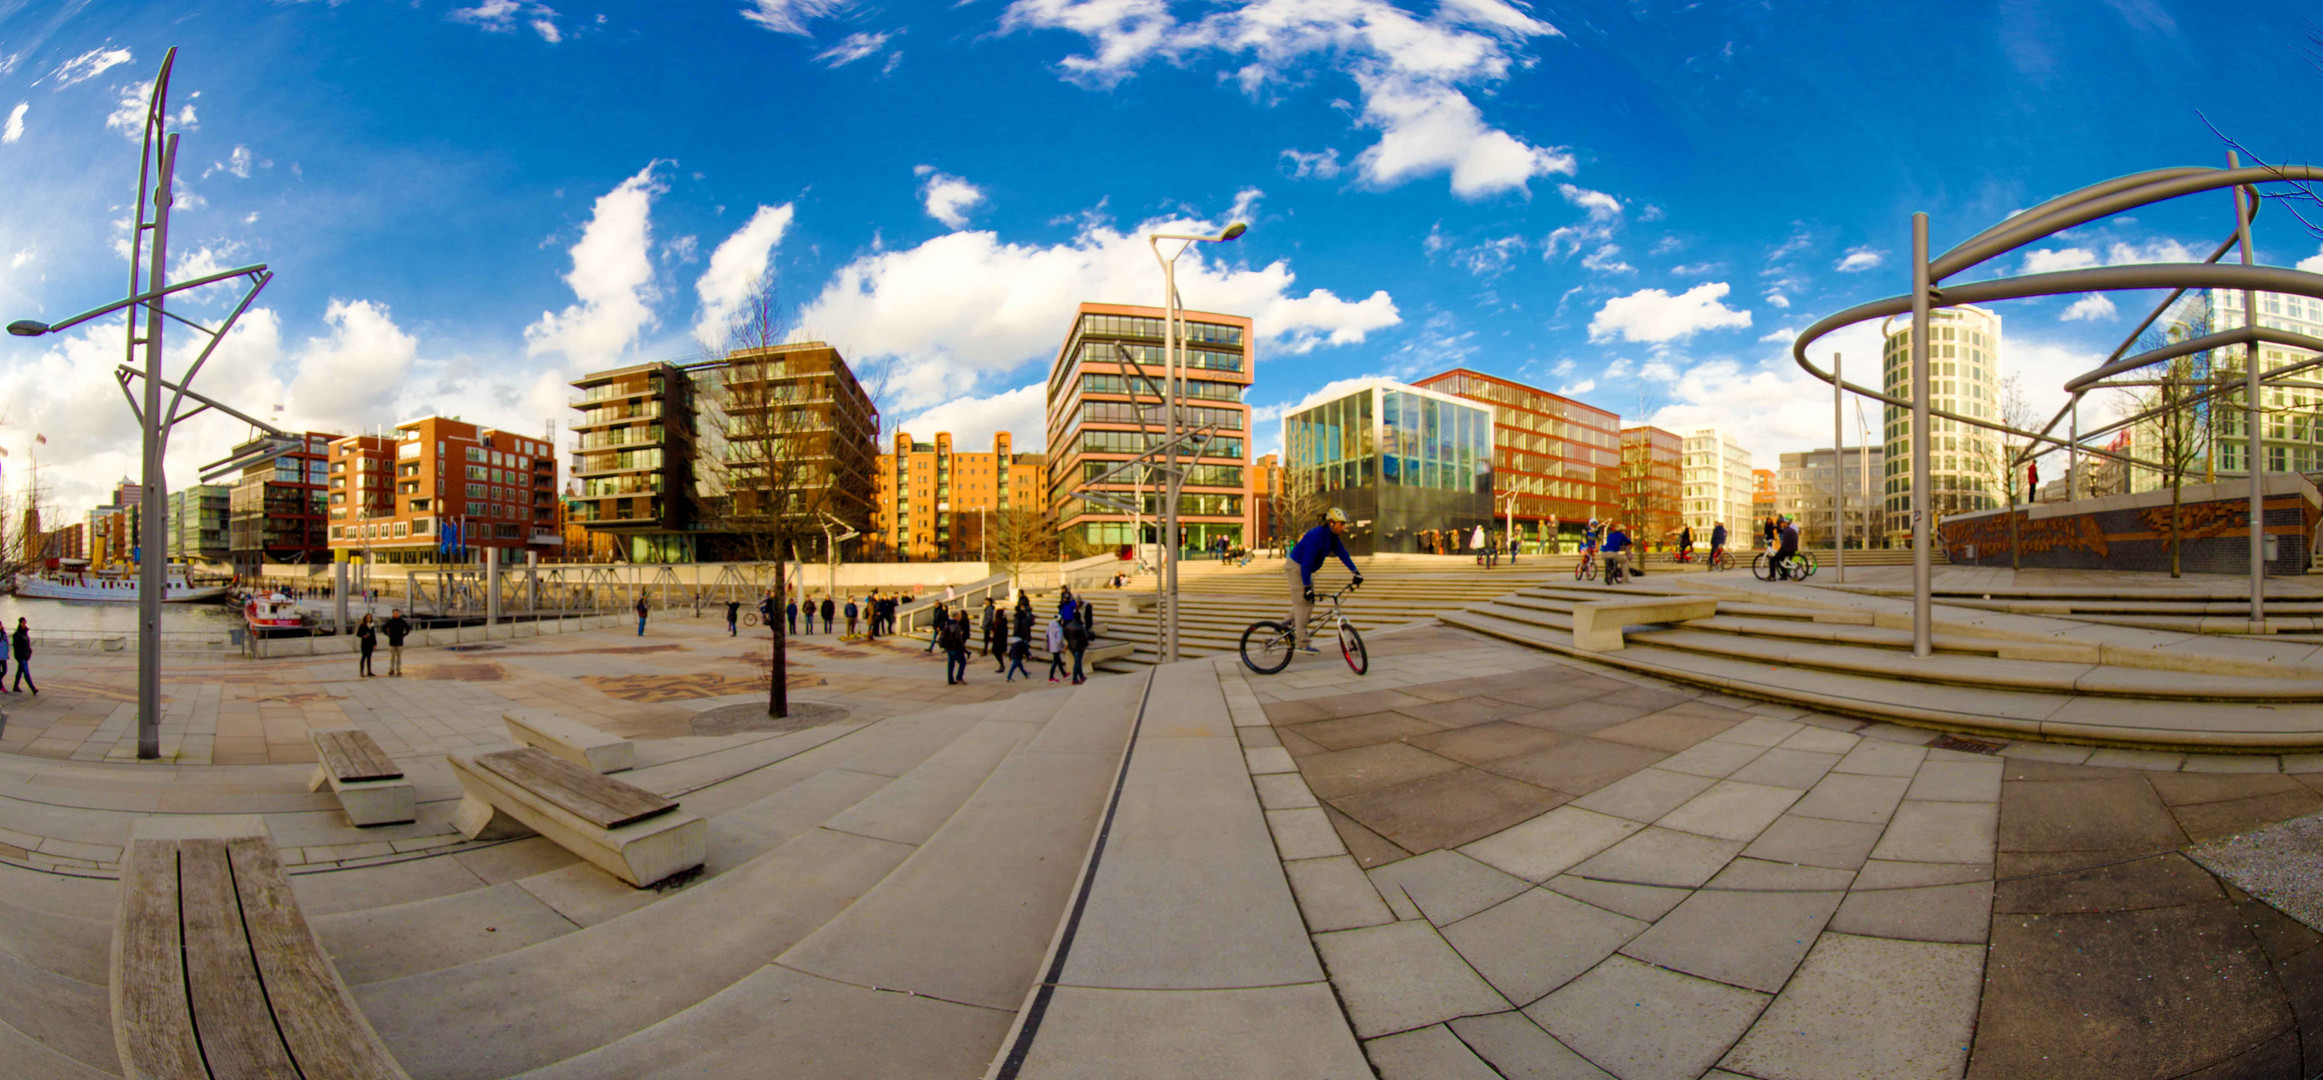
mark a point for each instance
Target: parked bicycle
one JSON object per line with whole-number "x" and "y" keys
{"x": 1268, "y": 644}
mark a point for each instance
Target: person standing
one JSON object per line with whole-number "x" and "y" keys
{"x": 20, "y": 643}
{"x": 1024, "y": 620}
{"x": 790, "y": 615}
{"x": 1056, "y": 642}
{"x": 994, "y": 627}
{"x": 396, "y": 628}
{"x": 830, "y": 608}
{"x": 766, "y": 612}
{"x": 366, "y": 640}
{"x": 733, "y": 617}
{"x": 850, "y": 616}
{"x": 943, "y": 619}
{"x": 1077, "y": 640}
{"x": 954, "y": 634}
{"x": 640, "y": 616}
{"x": 871, "y": 614}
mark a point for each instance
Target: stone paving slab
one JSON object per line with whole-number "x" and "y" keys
{"x": 1290, "y": 1032}
{"x": 2278, "y": 864}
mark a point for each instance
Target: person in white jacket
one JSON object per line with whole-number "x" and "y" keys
{"x": 1056, "y": 643}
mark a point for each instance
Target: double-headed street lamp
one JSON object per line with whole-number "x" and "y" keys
{"x": 1173, "y": 480}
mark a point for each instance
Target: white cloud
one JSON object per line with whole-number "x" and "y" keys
{"x": 1799, "y": 240}
{"x": 1245, "y": 208}
{"x": 1606, "y": 260}
{"x": 1410, "y": 71}
{"x": 23, "y": 258}
{"x": 1777, "y": 299}
{"x": 1780, "y": 333}
{"x": 1322, "y": 164}
{"x": 949, "y": 312}
{"x": 88, "y": 65}
{"x": 15, "y": 128}
{"x": 947, "y": 197}
{"x": 1021, "y": 412}
{"x": 1653, "y": 315}
{"x": 2164, "y": 250}
{"x": 788, "y": 16}
{"x": 612, "y": 278}
{"x": 1574, "y": 390}
{"x": 2313, "y": 264}
{"x": 501, "y": 16}
{"x": 1601, "y": 216}
{"x": 2089, "y": 308}
{"x": 736, "y": 267}
{"x": 1491, "y": 257}
{"x": 546, "y": 27}
{"x": 1858, "y": 259}
{"x": 240, "y": 163}
{"x": 128, "y": 115}
{"x": 349, "y": 380}
{"x": 853, "y": 47}
{"x": 2046, "y": 260}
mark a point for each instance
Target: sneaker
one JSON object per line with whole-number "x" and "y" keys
{"x": 1309, "y": 649}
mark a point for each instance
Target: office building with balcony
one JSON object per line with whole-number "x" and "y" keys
{"x": 686, "y": 462}
{"x": 197, "y": 522}
{"x": 1716, "y": 483}
{"x": 1807, "y": 484}
{"x": 1402, "y": 461}
{"x": 1556, "y": 462}
{"x": 1104, "y": 408}
{"x": 933, "y": 502}
{"x": 1963, "y": 379}
{"x": 442, "y": 490}
{"x": 275, "y": 508}
{"x": 1652, "y": 484}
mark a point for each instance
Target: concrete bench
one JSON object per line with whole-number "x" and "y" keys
{"x": 216, "y": 974}
{"x": 630, "y": 832}
{"x": 571, "y": 740}
{"x": 370, "y": 787}
{"x": 1597, "y": 623}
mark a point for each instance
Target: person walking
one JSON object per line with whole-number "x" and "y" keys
{"x": 3, "y": 664}
{"x": 1020, "y": 647}
{"x": 1077, "y": 640}
{"x": 20, "y": 643}
{"x": 790, "y": 616}
{"x": 766, "y": 612}
{"x": 640, "y": 616}
{"x": 367, "y": 640}
{"x": 995, "y": 628}
{"x": 830, "y": 608}
{"x": 396, "y": 628}
{"x": 850, "y": 616}
{"x": 1024, "y": 618}
{"x": 954, "y": 634}
{"x": 1085, "y": 613}
{"x": 733, "y": 617}
{"x": 936, "y": 629}
{"x": 1055, "y": 640}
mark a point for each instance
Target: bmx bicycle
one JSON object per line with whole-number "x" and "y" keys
{"x": 1587, "y": 566}
{"x": 1802, "y": 567}
{"x": 1268, "y": 644}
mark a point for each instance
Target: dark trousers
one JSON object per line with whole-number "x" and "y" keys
{"x": 24, "y": 675}
{"x": 955, "y": 666}
{"x": 1056, "y": 665}
{"x": 365, "y": 667}
{"x": 1077, "y": 676}
{"x": 1016, "y": 666}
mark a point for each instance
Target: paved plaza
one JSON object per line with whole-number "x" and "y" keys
{"x": 1481, "y": 859}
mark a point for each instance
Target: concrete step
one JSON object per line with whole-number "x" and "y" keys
{"x": 2211, "y": 726}
{"x": 945, "y": 947}
{"x": 788, "y": 863}
{"x": 56, "y": 1018}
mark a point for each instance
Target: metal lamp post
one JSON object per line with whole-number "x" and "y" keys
{"x": 156, "y": 169}
{"x": 1173, "y": 481}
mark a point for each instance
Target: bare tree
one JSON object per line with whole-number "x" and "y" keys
{"x": 2016, "y": 411}
{"x": 2179, "y": 435}
{"x": 767, "y": 455}
{"x": 1016, "y": 536}
{"x": 1300, "y": 503}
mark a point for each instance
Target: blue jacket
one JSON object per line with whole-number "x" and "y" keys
{"x": 1319, "y": 544}
{"x": 1718, "y": 536}
{"x": 1615, "y": 541}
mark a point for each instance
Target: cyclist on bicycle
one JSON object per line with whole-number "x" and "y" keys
{"x": 1686, "y": 544}
{"x": 1717, "y": 542}
{"x": 1320, "y": 543}
{"x": 1617, "y": 553}
{"x": 1788, "y": 533}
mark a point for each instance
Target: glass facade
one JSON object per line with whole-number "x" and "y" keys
{"x": 1557, "y": 462}
{"x": 1405, "y": 460}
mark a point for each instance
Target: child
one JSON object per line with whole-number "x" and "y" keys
{"x": 1056, "y": 645}
{"x": 1019, "y": 648}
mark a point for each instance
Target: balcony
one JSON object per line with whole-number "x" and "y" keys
{"x": 546, "y": 539}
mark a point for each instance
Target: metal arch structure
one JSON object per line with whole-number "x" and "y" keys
{"x": 2097, "y": 201}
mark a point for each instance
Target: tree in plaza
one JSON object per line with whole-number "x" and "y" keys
{"x": 1999, "y": 452}
{"x": 1300, "y": 503}
{"x": 770, "y": 451}
{"x": 1016, "y": 535}
{"x": 2180, "y": 438}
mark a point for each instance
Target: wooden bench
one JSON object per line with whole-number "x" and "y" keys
{"x": 632, "y": 833}
{"x": 571, "y": 740}
{"x": 215, "y": 973}
{"x": 370, "y": 787}
{"x": 1597, "y": 623}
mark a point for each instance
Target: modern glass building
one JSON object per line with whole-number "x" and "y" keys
{"x": 1557, "y": 461}
{"x": 1400, "y": 460}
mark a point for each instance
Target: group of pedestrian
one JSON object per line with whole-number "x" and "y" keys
{"x": 1007, "y": 633}
{"x": 828, "y": 609}
{"x": 19, "y": 645}
{"x": 395, "y": 630}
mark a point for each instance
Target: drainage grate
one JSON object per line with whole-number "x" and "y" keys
{"x": 1966, "y": 745}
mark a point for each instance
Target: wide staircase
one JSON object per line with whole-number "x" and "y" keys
{"x": 877, "y": 902}
{"x": 2196, "y": 607}
{"x": 2013, "y": 675}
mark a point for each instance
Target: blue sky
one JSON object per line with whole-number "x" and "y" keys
{"x": 469, "y": 202}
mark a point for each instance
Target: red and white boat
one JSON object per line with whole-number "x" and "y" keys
{"x": 110, "y": 587}
{"x": 272, "y": 612}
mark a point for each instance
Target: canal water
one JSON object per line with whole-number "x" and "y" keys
{"x": 213, "y": 618}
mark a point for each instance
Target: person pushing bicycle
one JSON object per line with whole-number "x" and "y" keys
{"x": 1717, "y": 543}
{"x": 1787, "y": 532}
{"x": 1320, "y": 543}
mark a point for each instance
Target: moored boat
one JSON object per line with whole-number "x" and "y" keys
{"x": 272, "y": 613}
{"x": 104, "y": 587}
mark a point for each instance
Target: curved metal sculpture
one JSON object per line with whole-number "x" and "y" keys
{"x": 2028, "y": 227}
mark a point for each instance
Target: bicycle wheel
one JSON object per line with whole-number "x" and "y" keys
{"x": 1762, "y": 567}
{"x": 750, "y": 619}
{"x": 1267, "y": 645}
{"x": 1581, "y": 569}
{"x": 1807, "y": 565}
{"x": 1351, "y": 647}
